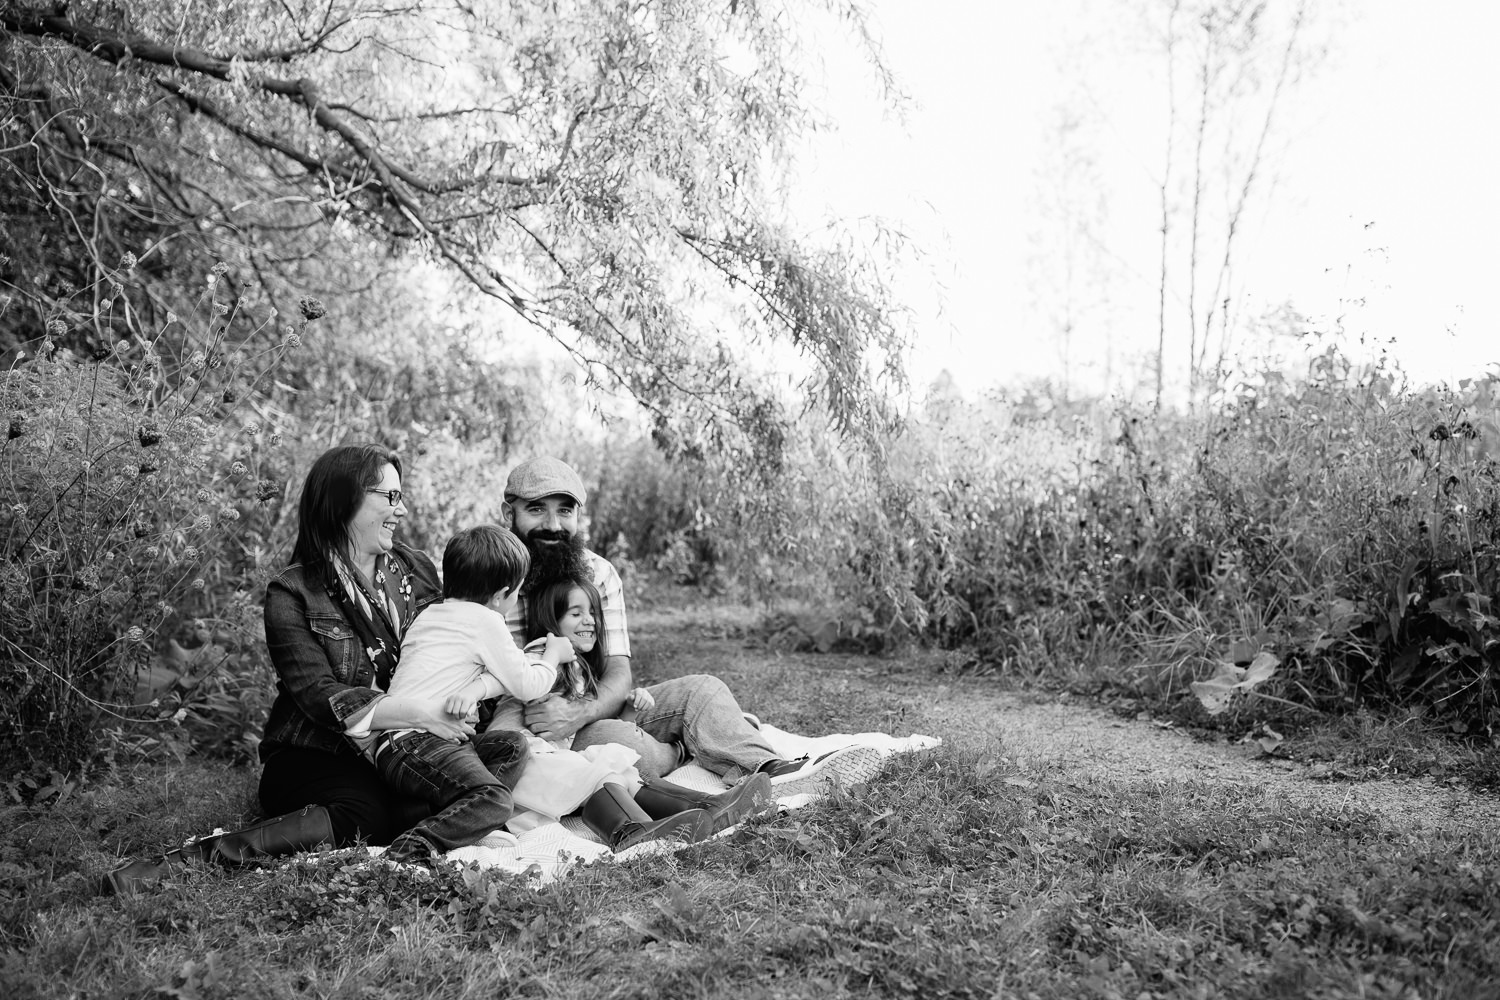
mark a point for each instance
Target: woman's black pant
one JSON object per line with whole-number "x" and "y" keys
{"x": 362, "y": 809}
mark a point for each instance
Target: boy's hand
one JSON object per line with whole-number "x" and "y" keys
{"x": 561, "y": 648}
{"x": 641, "y": 700}
{"x": 460, "y": 706}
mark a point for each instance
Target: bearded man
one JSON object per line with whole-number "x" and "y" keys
{"x": 695, "y": 717}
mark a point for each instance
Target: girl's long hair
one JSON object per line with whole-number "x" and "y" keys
{"x": 543, "y": 609}
{"x": 334, "y": 489}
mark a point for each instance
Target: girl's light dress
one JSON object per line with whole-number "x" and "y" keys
{"x": 558, "y": 779}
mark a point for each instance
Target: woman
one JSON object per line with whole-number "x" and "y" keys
{"x": 602, "y": 782}
{"x": 334, "y": 623}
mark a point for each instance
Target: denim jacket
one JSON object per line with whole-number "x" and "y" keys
{"x": 323, "y": 676}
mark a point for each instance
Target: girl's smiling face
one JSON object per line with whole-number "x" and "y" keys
{"x": 576, "y": 622}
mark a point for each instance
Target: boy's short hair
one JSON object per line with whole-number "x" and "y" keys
{"x": 481, "y": 561}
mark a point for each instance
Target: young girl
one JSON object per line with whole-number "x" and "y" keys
{"x": 572, "y": 608}
{"x": 601, "y": 782}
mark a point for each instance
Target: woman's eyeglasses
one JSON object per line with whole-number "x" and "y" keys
{"x": 394, "y": 496}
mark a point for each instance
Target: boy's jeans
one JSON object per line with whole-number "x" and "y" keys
{"x": 468, "y": 784}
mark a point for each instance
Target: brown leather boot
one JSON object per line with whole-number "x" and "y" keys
{"x": 310, "y": 827}
{"x": 615, "y": 818}
{"x": 750, "y": 797}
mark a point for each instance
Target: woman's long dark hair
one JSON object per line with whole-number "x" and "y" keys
{"x": 547, "y": 604}
{"x": 333, "y": 491}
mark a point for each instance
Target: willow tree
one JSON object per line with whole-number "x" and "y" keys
{"x": 611, "y": 174}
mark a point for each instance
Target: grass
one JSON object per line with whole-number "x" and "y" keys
{"x": 956, "y": 873}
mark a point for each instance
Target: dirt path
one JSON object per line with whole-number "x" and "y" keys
{"x": 1079, "y": 740}
{"x": 1088, "y": 742}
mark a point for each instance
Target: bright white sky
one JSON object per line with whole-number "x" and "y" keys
{"x": 1397, "y": 130}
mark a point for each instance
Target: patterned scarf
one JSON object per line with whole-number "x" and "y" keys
{"x": 380, "y": 615}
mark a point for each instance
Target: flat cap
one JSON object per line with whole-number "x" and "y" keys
{"x": 544, "y": 477}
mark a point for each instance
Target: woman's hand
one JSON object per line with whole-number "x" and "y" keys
{"x": 434, "y": 717}
{"x": 439, "y": 722}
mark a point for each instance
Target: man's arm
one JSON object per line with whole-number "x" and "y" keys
{"x": 556, "y": 717}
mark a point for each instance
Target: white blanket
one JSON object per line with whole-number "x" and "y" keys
{"x": 552, "y": 849}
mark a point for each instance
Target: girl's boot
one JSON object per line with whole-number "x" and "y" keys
{"x": 750, "y": 797}
{"x": 615, "y": 818}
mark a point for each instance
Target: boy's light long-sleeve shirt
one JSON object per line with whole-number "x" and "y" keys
{"x": 450, "y": 645}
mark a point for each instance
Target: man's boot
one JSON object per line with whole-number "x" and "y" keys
{"x": 615, "y": 818}
{"x": 308, "y": 828}
{"x": 750, "y": 797}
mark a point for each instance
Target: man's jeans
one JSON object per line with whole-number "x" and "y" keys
{"x": 468, "y": 784}
{"x": 697, "y": 712}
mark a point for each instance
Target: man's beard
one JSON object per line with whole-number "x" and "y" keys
{"x": 564, "y": 561}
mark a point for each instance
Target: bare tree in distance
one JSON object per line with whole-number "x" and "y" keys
{"x": 1225, "y": 71}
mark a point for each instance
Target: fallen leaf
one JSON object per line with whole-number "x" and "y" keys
{"x": 1261, "y": 668}
{"x": 1270, "y": 741}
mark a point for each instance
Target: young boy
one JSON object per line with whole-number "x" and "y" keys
{"x": 461, "y": 651}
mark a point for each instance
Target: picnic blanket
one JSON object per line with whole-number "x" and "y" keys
{"x": 549, "y": 851}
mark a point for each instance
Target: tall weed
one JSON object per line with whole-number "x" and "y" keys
{"x": 1339, "y": 523}
{"x": 133, "y": 505}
